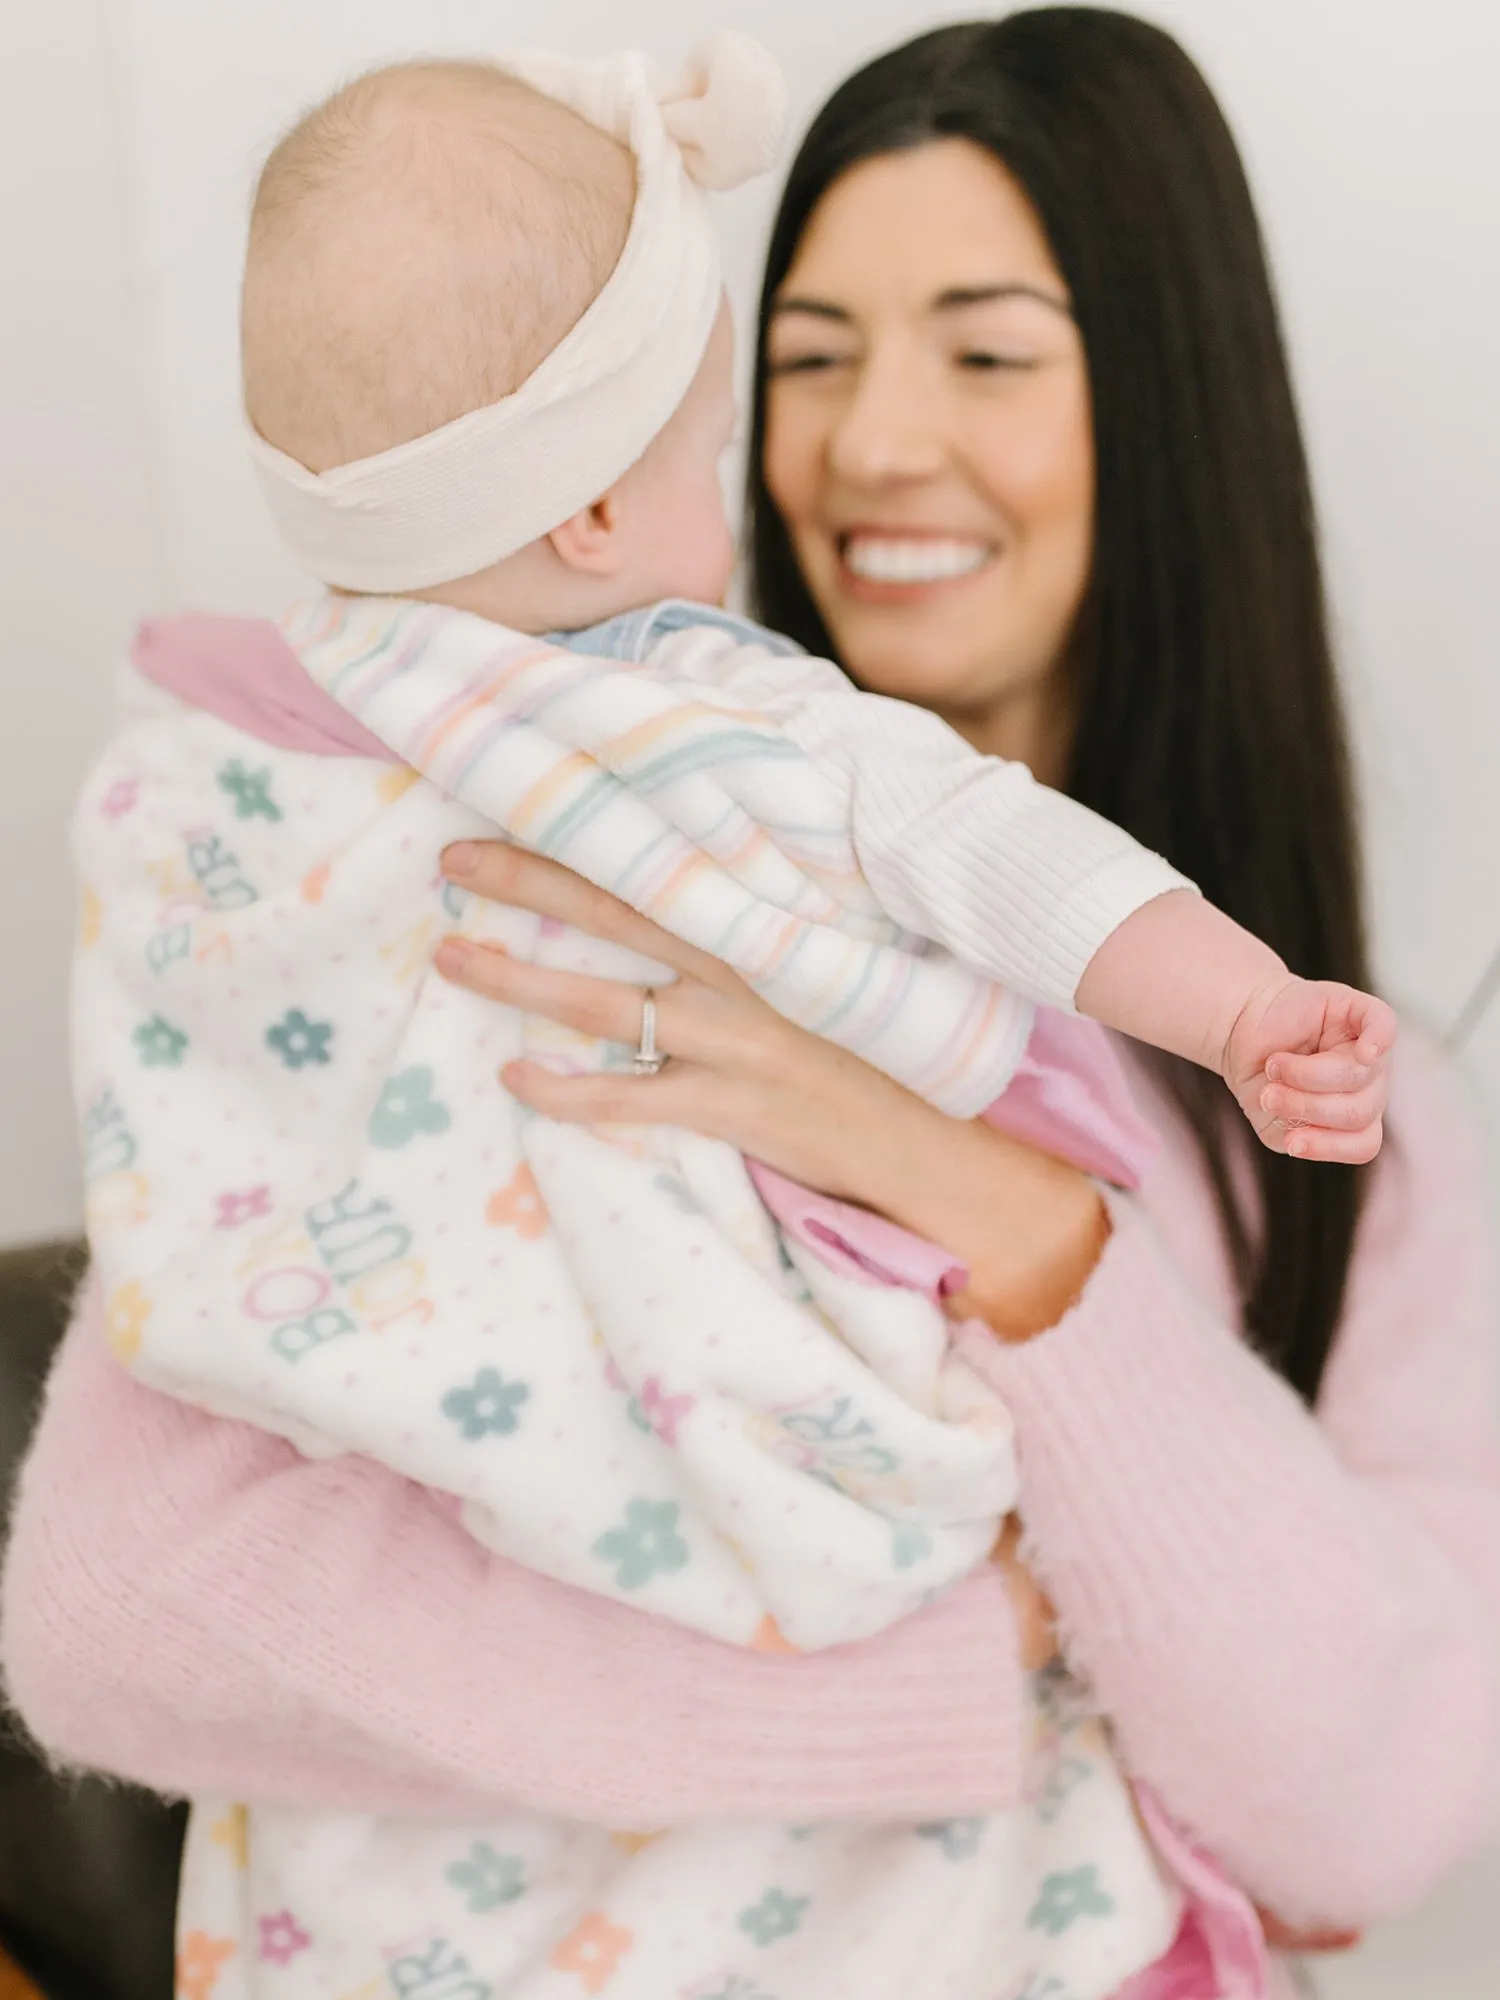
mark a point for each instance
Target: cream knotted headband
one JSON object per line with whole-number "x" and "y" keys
{"x": 465, "y": 496}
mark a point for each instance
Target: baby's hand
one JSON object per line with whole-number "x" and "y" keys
{"x": 1309, "y": 1061}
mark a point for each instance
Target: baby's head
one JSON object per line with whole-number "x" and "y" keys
{"x": 419, "y": 245}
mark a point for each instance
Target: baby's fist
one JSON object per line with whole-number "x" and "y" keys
{"x": 1309, "y": 1061}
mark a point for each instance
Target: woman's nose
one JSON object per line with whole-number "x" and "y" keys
{"x": 888, "y": 431}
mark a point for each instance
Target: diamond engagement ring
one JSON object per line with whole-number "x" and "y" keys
{"x": 648, "y": 1059}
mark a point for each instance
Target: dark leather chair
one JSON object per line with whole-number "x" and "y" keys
{"x": 88, "y": 1869}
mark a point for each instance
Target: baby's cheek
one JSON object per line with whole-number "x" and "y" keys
{"x": 725, "y": 552}
{"x": 706, "y": 549}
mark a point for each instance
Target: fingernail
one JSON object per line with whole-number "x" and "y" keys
{"x": 1273, "y": 1071}
{"x": 1297, "y": 1147}
{"x": 462, "y": 858}
{"x": 453, "y": 955}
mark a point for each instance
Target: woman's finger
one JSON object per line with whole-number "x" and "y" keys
{"x": 678, "y": 1096}
{"x": 502, "y": 873}
{"x": 613, "y": 1010}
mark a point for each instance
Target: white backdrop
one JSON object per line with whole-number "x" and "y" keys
{"x": 129, "y": 134}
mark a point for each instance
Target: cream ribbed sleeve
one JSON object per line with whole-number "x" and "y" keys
{"x": 1014, "y": 879}
{"x": 1017, "y": 881}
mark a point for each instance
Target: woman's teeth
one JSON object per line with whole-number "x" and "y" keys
{"x": 889, "y": 559}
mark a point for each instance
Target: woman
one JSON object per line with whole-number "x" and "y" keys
{"x": 1025, "y": 452}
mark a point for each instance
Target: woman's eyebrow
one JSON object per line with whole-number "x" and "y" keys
{"x": 953, "y": 299}
{"x": 958, "y": 296}
{"x": 817, "y": 308}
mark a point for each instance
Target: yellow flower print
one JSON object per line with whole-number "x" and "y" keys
{"x": 407, "y": 954}
{"x": 393, "y": 783}
{"x": 90, "y": 918}
{"x": 518, "y": 1206}
{"x": 593, "y": 1951}
{"x": 125, "y": 1319}
{"x": 200, "y": 1960}
{"x": 232, "y": 1832}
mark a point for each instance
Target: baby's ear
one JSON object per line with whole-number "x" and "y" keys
{"x": 591, "y": 541}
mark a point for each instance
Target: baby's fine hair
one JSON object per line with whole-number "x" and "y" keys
{"x": 418, "y": 244}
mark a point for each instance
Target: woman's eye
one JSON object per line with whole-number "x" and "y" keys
{"x": 983, "y": 361}
{"x": 805, "y": 364}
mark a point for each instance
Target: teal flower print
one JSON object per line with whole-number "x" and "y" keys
{"x": 678, "y": 1193}
{"x": 250, "y": 790}
{"x": 159, "y": 1045}
{"x": 910, "y": 1544}
{"x": 958, "y": 1838}
{"x": 1061, "y": 1783}
{"x": 407, "y": 1108}
{"x": 1060, "y": 1697}
{"x": 647, "y": 1545}
{"x": 775, "y": 1916}
{"x": 487, "y": 1406}
{"x": 488, "y": 1879}
{"x": 1066, "y": 1898}
{"x": 299, "y": 1041}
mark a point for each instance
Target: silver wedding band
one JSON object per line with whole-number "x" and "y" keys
{"x": 648, "y": 1060}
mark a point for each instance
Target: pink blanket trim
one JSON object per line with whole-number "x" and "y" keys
{"x": 1069, "y": 1096}
{"x": 244, "y": 672}
{"x": 1220, "y": 1950}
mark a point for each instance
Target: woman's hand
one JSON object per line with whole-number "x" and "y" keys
{"x": 1036, "y": 1621}
{"x": 1028, "y": 1227}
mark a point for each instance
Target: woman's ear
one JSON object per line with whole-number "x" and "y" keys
{"x": 592, "y": 541}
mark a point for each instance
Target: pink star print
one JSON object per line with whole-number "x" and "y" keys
{"x": 282, "y": 1937}
{"x": 247, "y": 1205}
{"x": 120, "y": 798}
{"x": 664, "y": 1413}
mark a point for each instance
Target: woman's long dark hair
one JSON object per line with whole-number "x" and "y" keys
{"x": 1209, "y": 721}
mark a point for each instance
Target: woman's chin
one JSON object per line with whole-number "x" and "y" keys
{"x": 912, "y": 651}
{"x": 902, "y": 668}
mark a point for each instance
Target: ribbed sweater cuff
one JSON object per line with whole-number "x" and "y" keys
{"x": 929, "y": 1722}
{"x": 651, "y": 1725}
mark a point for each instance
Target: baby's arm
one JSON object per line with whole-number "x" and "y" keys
{"x": 1018, "y": 882}
{"x": 1044, "y": 895}
{"x": 1307, "y": 1059}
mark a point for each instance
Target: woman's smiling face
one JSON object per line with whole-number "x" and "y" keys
{"x": 929, "y": 442}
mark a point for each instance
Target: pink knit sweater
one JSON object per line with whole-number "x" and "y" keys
{"x": 1294, "y": 1621}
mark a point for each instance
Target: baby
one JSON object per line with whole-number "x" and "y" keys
{"x": 488, "y": 371}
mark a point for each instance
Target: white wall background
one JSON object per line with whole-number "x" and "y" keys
{"x": 129, "y": 134}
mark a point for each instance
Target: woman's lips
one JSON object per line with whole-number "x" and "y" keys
{"x": 886, "y": 565}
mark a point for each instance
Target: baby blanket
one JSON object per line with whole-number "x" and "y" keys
{"x": 313, "y": 1206}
